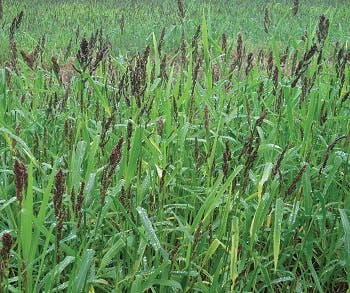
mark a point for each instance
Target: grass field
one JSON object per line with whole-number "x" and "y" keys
{"x": 174, "y": 146}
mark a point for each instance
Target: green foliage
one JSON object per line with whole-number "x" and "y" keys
{"x": 186, "y": 159}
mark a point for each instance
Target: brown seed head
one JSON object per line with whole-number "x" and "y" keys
{"x": 267, "y": 20}
{"x": 161, "y": 41}
{"x": 21, "y": 180}
{"x": 323, "y": 28}
{"x": 295, "y": 7}
{"x": 122, "y": 24}
{"x": 7, "y": 243}
{"x": 275, "y": 80}
{"x": 296, "y": 179}
{"x": 116, "y": 153}
{"x": 196, "y": 37}
{"x": 58, "y": 192}
{"x": 180, "y": 7}
{"x": 260, "y": 120}
{"x": 83, "y": 54}
{"x": 224, "y": 43}
{"x": 270, "y": 62}
{"x": 160, "y": 126}
{"x": 239, "y": 50}
{"x": 328, "y": 152}
{"x": 250, "y": 59}
{"x": 277, "y": 165}
{"x": 16, "y": 22}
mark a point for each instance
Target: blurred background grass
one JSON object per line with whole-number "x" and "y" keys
{"x": 58, "y": 19}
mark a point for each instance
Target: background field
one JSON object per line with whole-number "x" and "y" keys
{"x": 170, "y": 146}
{"x": 60, "y": 20}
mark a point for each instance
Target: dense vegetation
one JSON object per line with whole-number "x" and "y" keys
{"x": 154, "y": 146}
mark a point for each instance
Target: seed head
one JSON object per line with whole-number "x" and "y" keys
{"x": 224, "y": 43}
{"x": 260, "y": 120}
{"x": 180, "y": 7}
{"x": 270, "y": 62}
{"x": 7, "y": 243}
{"x": 275, "y": 80}
{"x": 122, "y": 24}
{"x": 58, "y": 192}
{"x": 21, "y": 180}
{"x": 239, "y": 50}
{"x": 109, "y": 169}
{"x": 160, "y": 126}
{"x": 277, "y": 166}
{"x": 322, "y": 32}
{"x": 16, "y": 22}
{"x": 267, "y": 20}
{"x": 295, "y": 7}
{"x": 83, "y": 54}
{"x": 161, "y": 41}
{"x": 116, "y": 153}
{"x": 296, "y": 179}
{"x": 328, "y": 152}
{"x": 79, "y": 204}
{"x": 196, "y": 37}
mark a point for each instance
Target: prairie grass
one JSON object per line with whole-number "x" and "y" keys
{"x": 174, "y": 154}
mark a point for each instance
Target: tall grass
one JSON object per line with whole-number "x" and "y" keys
{"x": 203, "y": 165}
